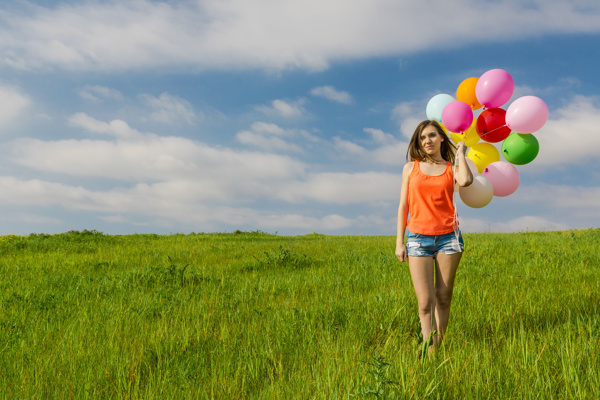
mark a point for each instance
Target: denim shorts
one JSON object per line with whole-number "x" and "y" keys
{"x": 418, "y": 245}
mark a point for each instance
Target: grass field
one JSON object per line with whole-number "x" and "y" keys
{"x": 249, "y": 315}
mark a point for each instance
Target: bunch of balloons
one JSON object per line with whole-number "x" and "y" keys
{"x": 512, "y": 127}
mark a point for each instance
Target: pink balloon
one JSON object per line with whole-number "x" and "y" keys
{"x": 494, "y": 88}
{"x": 503, "y": 176}
{"x": 526, "y": 114}
{"x": 457, "y": 116}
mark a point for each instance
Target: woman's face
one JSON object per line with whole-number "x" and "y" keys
{"x": 431, "y": 141}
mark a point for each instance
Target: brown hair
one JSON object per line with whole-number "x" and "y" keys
{"x": 416, "y": 152}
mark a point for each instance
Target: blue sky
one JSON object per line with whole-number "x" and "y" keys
{"x": 282, "y": 116}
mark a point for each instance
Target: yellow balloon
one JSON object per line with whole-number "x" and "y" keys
{"x": 470, "y": 136}
{"x": 483, "y": 154}
{"x": 445, "y": 130}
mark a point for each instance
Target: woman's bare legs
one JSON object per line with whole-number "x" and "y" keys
{"x": 433, "y": 280}
{"x": 421, "y": 272}
{"x": 445, "y": 272}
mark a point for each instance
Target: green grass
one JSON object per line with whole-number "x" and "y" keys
{"x": 250, "y": 315}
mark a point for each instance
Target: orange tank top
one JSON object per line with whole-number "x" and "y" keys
{"x": 430, "y": 207}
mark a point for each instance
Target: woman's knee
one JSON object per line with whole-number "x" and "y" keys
{"x": 426, "y": 305}
{"x": 443, "y": 298}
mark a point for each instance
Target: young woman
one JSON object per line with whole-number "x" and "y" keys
{"x": 434, "y": 244}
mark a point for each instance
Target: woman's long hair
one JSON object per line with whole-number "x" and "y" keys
{"x": 416, "y": 152}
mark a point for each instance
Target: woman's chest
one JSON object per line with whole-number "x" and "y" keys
{"x": 432, "y": 169}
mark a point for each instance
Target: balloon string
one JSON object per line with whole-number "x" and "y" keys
{"x": 488, "y": 132}
{"x": 468, "y": 133}
{"x": 455, "y": 221}
{"x": 494, "y": 130}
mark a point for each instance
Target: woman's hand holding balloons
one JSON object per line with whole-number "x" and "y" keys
{"x": 461, "y": 148}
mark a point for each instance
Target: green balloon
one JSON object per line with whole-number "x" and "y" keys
{"x": 520, "y": 148}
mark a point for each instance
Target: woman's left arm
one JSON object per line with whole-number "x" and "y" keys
{"x": 463, "y": 176}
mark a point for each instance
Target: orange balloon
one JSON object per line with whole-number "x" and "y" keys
{"x": 466, "y": 93}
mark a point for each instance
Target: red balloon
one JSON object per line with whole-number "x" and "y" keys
{"x": 491, "y": 125}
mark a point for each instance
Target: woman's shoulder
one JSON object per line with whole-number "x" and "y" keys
{"x": 408, "y": 167}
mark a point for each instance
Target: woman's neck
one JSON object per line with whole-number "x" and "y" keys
{"x": 434, "y": 160}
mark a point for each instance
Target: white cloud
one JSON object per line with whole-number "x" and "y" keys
{"x": 309, "y": 136}
{"x": 394, "y": 154}
{"x": 270, "y": 137}
{"x": 152, "y": 159}
{"x": 282, "y": 108}
{"x": 380, "y": 136}
{"x": 12, "y": 103}
{"x": 407, "y": 116}
{"x": 264, "y": 127}
{"x": 171, "y": 109}
{"x": 266, "y": 142}
{"x": 146, "y": 157}
{"x": 116, "y": 128}
{"x": 579, "y": 200}
{"x": 330, "y": 93}
{"x": 158, "y": 206}
{"x": 140, "y": 34}
{"x": 389, "y": 150}
{"x": 306, "y": 223}
{"x": 98, "y": 93}
{"x": 344, "y": 188}
{"x": 570, "y": 136}
{"x": 529, "y": 223}
{"x": 24, "y": 219}
{"x": 156, "y": 181}
{"x": 347, "y": 147}
{"x": 520, "y": 224}
{"x": 174, "y": 181}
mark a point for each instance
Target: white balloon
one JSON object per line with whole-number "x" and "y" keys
{"x": 479, "y": 193}
{"x": 436, "y": 105}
